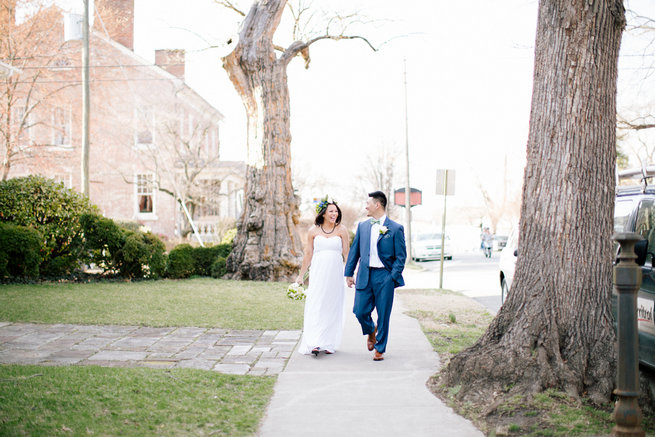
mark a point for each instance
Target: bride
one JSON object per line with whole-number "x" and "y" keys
{"x": 326, "y": 249}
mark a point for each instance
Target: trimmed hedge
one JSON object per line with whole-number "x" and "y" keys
{"x": 204, "y": 257}
{"x": 219, "y": 268}
{"x": 104, "y": 239}
{"x": 142, "y": 256}
{"x": 132, "y": 254}
{"x": 20, "y": 251}
{"x": 185, "y": 260}
{"x": 50, "y": 231}
{"x": 54, "y": 211}
{"x": 181, "y": 263}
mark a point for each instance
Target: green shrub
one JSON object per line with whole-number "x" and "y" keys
{"x": 55, "y": 212}
{"x": 130, "y": 226}
{"x": 223, "y": 250}
{"x": 219, "y": 268}
{"x": 131, "y": 254}
{"x": 204, "y": 257}
{"x": 104, "y": 239}
{"x": 20, "y": 251}
{"x": 181, "y": 263}
{"x": 142, "y": 256}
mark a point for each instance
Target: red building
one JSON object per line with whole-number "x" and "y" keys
{"x": 154, "y": 142}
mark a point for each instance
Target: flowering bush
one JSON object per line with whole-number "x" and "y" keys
{"x": 296, "y": 292}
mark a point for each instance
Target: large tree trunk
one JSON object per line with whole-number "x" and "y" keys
{"x": 267, "y": 246}
{"x": 556, "y": 328}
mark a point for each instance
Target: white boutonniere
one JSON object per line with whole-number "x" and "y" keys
{"x": 383, "y": 230}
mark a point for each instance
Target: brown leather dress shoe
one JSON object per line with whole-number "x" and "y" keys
{"x": 370, "y": 341}
{"x": 378, "y": 356}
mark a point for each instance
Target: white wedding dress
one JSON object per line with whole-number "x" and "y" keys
{"x": 323, "y": 324}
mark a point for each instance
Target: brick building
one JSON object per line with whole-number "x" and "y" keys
{"x": 153, "y": 139}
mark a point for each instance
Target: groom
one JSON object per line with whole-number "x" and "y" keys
{"x": 379, "y": 246}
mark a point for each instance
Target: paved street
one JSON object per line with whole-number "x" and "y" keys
{"x": 469, "y": 273}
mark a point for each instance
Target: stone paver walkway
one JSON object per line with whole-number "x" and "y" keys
{"x": 227, "y": 351}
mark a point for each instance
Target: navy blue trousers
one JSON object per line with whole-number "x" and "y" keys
{"x": 378, "y": 294}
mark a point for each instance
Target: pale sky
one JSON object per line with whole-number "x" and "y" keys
{"x": 469, "y": 74}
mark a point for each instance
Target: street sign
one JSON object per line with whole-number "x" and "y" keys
{"x": 415, "y": 197}
{"x": 441, "y": 182}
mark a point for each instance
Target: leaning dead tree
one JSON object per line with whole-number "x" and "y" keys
{"x": 267, "y": 246}
{"x": 555, "y": 330}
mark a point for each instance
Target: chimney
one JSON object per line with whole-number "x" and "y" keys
{"x": 118, "y": 18}
{"x": 171, "y": 60}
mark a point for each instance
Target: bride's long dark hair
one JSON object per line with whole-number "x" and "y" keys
{"x": 320, "y": 217}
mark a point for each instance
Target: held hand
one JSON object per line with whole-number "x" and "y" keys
{"x": 350, "y": 281}
{"x": 299, "y": 280}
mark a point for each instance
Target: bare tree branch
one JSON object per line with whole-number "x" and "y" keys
{"x": 302, "y": 48}
{"x": 627, "y": 125}
{"x": 228, "y": 4}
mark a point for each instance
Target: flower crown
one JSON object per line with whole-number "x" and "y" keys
{"x": 320, "y": 206}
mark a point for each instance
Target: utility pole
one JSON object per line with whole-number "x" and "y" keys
{"x": 408, "y": 204}
{"x": 85, "y": 100}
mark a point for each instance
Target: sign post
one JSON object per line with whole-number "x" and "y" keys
{"x": 445, "y": 187}
{"x": 400, "y": 198}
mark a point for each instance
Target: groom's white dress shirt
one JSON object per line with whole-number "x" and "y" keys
{"x": 374, "y": 259}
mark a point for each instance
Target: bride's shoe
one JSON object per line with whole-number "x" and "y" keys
{"x": 316, "y": 350}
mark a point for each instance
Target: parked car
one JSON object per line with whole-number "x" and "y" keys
{"x": 500, "y": 241}
{"x": 427, "y": 246}
{"x": 634, "y": 211}
{"x": 507, "y": 262}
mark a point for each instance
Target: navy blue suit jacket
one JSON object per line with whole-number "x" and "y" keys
{"x": 391, "y": 251}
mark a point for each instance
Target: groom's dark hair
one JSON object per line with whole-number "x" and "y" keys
{"x": 380, "y": 197}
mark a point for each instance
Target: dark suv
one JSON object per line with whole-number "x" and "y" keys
{"x": 634, "y": 211}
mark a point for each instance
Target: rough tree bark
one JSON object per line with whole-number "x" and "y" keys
{"x": 556, "y": 328}
{"x": 267, "y": 246}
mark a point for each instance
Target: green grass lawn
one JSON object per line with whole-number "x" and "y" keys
{"x": 202, "y": 302}
{"x": 90, "y": 400}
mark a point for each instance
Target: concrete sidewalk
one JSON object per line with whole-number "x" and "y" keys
{"x": 348, "y": 394}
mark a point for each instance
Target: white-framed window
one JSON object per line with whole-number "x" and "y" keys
{"x": 234, "y": 197}
{"x": 61, "y": 126}
{"x": 215, "y": 142}
{"x": 65, "y": 178}
{"x": 145, "y": 194}
{"x": 209, "y": 204}
{"x": 206, "y": 145}
{"x": 144, "y": 133}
